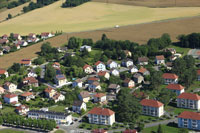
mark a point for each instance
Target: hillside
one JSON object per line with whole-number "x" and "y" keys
{"x": 90, "y": 16}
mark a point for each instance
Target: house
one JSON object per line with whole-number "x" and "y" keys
{"x": 114, "y": 88}
{"x": 94, "y": 86}
{"x": 3, "y": 72}
{"x": 77, "y": 83}
{"x": 1, "y": 106}
{"x": 130, "y": 131}
{"x": 177, "y": 88}
{"x": 100, "y": 98}
{"x": 85, "y": 47}
{"x": 32, "y": 35}
{"x": 92, "y": 79}
{"x": 88, "y": 69}
{"x": 6, "y": 49}
{"x": 169, "y": 65}
{"x": 58, "y": 97}
{"x": 112, "y": 64}
{"x": 21, "y": 43}
{"x": 104, "y": 74}
{"x": 127, "y": 53}
{"x": 10, "y": 86}
{"x": 114, "y": 72}
{"x": 2, "y": 90}
{"x": 62, "y": 49}
{"x": 49, "y": 92}
{"x": 138, "y": 78}
{"x": 160, "y": 60}
{"x": 100, "y": 66}
{"x": 17, "y": 46}
{"x": 26, "y": 62}
{"x": 27, "y": 96}
{"x": 4, "y": 41}
{"x": 84, "y": 96}
{"x": 171, "y": 50}
{"x": 152, "y": 107}
{"x": 78, "y": 106}
{"x": 32, "y": 38}
{"x": 46, "y": 35}
{"x": 4, "y": 36}
{"x": 188, "y": 100}
{"x": 56, "y": 65}
{"x": 190, "y": 120}
{"x": 127, "y": 62}
{"x": 172, "y": 58}
{"x": 11, "y": 98}
{"x": 70, "y": 54}
{"x": 30, "y": 81}
{"x": 32, "y": 74}
{"x": 198, "y": 75}
{"x": 143, "y": 61}
{"x": 102, "y": 116}
{"x": 143, "y": 71}
{"x": 17, "y": 37}
{"x": 170, "y": 78}
{"x": 129, "y": 83}
{"x": 59, "y": 117}
{"x": 99, "y": 131}
{"x": 60, "y": 80}
{"x": 1, "y": 52}
{"x": 133, "y": 69}
{"x": 22, "y": 109}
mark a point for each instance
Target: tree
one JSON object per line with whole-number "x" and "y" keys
{"x": 39, "y": 61}
{"x": 50, "y": 73}
{"x": 155, "y": 80}
{"x": 104, "y": 37}
{"x": 159, "y": 129}
{"x": 128, "y": 108}
{"x": 9, "y": 16}
{"x": 38, "y": 71}
{"x": 166, "y": 96}
{"x": 14, "y": 68}
{"x": 140, "y": 127}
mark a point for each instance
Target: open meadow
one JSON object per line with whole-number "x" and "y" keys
{"x": 90, "y": 16}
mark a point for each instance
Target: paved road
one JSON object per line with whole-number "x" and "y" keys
{"x": 161, "y": 122}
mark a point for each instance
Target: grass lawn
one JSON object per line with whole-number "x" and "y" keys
{"x": 59, "y": 131}
{"x": 88, "y": 126}
{"x": 173, "y": 109}
{"x": 7, "y": 109}
{"x": 92, "y": 54}
{"x": 10, "y": 131}
{"x": 93, "y": 15}
{"x": 194, "y": 86}
{"x": 57, "y": 108}
{"x": 181, "y": 50}
{"x": 165, "y": 128}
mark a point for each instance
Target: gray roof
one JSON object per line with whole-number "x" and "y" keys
{"x": 48, "y": 112}
{"x": 78, "y": 103}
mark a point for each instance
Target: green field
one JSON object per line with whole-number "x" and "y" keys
{"x": 90, "y": 16}
{"x": 165, "y": 129}
{"x": 180, "y": 50}
{"x": 10, "y": 131}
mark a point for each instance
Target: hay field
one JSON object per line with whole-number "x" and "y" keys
{"x": 90, "y": 16}
{"x": 138, "y": 33}
{"x": 14, "y": 11}
{"x": 155, "y": 3}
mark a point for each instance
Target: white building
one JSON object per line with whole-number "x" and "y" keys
{"x": 188, "y": 100}
{"x": 100, "y": 98}
{"x": 10, "y": 86}
{"x": 100, "y": 66}
{"x": 127, "y": 62}
{"x": 152, "y": 107}
{"x": 46, "y": 35}
{"x": 60, "y": 80}
{"x": 176, "y": 88}
{"x": 88, "y": 69}
{"x": 88, "y": 48}
{"x": 133, "y": 69}
{"x": 101, "y": 116}
{"x": 59, "y": 117}
{"x": 78, "y": 106}
{"x": 3, "y": 72}
{"x": 112, "y": 64}
{"x": 11, "y": 98}
{"x": 170, "y": 78}
{"x": 77, "y": 83}
{"x": 114, "y": 72}
{"x": 94, "y": 86}
{"x": 84, "y": 96}
{"x": 160, "y": 60}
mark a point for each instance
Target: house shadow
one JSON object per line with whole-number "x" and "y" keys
{"x": 172, "y": 124}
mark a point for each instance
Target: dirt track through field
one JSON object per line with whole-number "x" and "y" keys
{"x": 137, "y": 33}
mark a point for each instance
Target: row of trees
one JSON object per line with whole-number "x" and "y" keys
{"x": 73, "y": 3}
{"x": 38, "y": 4}
{"x": 189, "y": 41}
{"x": 38, "y": 124}
{"x": 16, "y": 3}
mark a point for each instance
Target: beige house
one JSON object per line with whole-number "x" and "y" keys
{"x": 152, "y": 107}
{"x": 129, "y": 83}
{"x": 10, "y": 86}
{"x": 101, "y": 116}
{"x": 188, "y": 100}
{"x": 84, "y": 96}
{"x": 3, "y": 72}
{"x": 27, "y": 96}
{"x": 60, "y": 80}
{"x": 22, "y": 109}
{"x": 49, "y": 92}
{"x": 104, "y": 74}
{"x": 88, "y": 69}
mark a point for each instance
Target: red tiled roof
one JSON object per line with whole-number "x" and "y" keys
{"x": 151, "y": 103}
{"x": 160, "y": 57}
{"x": 56, "y": 63}
{"x": 26, "y": 94}
{"x": 190, "y": 115}
{"x": 175, "y": 87}
{"x": 127, "y": 80}
{"x": 190, "y": 96}
{"x": 101, "y": 111}
{"x": 3, "y": 41}
{"x": 99, "y": 131}
{"x": 2, "y": 71}
{"x": 21, "y": 107}
{"x": 25, "y": 61}
{"x": 93, "y": 78}
{"x": 97, "y": 63}
{"x": 198, "y": 72}
{"x": 86, "y": 65}
{"x": 142, "y": 70}
{"x": 48, "y": 90}
{"x": 102, "y": 73}
{"x": 99, "y": 95}
{"x": 30, "y": 80}
{"x": 169, "y": 76}
{"x": 10, "y": 95}
{"x": 45, "y": 34}
{"x": 130, "y": 131}
{"x": 143, "y": 59}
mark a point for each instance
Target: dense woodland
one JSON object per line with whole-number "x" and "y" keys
{"x": 189, "y": 41}
{"x": 38, "y": 4}
{"x": 73, "y": 3}
{"x": 16, "y": 3}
